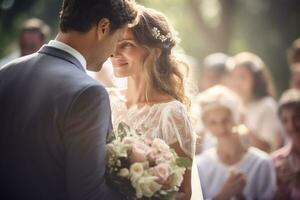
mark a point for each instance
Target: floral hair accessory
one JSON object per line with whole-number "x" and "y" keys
{"x": 157, "y": 35}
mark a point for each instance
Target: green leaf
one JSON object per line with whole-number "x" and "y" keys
{"x": 111, "y": 137}
{"x": 184, "y": 162}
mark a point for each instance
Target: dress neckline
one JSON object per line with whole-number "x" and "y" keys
{"x": 121, "y": 97}
{"x": 144, "y": 106}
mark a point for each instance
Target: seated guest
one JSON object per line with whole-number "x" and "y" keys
{"x": 231, "y": 170}
{"x": 287, "y": 159}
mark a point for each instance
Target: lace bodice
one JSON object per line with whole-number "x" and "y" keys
{"x": 168, "y": 121}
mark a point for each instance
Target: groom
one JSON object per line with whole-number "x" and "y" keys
{"x": 54, "y": 119}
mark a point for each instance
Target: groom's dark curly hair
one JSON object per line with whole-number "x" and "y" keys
{"x": 81, "y": 15}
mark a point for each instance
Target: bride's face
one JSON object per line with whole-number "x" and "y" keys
{"x": 128, "y": 57}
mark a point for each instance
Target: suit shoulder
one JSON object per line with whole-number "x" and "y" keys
{"x": 95, "y": 90}
{"x": 17, "y": 62}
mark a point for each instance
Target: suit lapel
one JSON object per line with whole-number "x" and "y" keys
{"x": 62, "y": 55}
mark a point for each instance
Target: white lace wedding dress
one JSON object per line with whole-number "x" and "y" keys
{"x": 168, "y": 121}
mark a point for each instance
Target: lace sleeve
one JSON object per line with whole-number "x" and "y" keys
{"x": 175, "y": 126}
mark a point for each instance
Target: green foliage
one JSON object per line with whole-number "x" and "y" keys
{"x": 184, "y": 162}
{"x": 11, "y": 19}
{"x": 266, "y": 28}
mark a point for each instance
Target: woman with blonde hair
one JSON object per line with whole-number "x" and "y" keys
{"x": 230, "y": 170}
{"x": 154, "y": 102}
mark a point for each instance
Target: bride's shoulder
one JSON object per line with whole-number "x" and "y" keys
{"x": 175, "y": 108}
{"x": 175, "y": 105}
{"x": 113, "y": 90}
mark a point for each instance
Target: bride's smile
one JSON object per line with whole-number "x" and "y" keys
{"x": 129, "y": 56}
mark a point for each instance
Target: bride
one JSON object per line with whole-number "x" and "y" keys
{"x": 154, "y": 101}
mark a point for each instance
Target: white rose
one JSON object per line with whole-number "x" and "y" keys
{"x": 136, "y": 170}
{"x": 161, "y": 171}
{"x": 124, "y": 172}
{"x": 146, "y": 186}
{"x": 160, "y": 145}
{"x": 121, "y": 149}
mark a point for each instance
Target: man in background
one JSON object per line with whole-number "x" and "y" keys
{"x": 33, "y": 35}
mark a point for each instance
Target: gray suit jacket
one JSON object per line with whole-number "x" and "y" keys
{"x": 54, "y": 121}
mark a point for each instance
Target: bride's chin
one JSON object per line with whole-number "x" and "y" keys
{"x": 120, "y": 74}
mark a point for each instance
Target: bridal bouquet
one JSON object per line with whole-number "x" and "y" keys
{"x": 142, "y": 168}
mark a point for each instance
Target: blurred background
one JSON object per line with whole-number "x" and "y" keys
{"x": 264, "y": 27}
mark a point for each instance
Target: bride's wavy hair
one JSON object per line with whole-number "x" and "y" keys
{"x": 154, "y": 31}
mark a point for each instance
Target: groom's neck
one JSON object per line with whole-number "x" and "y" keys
{"x": 79, "y": 41}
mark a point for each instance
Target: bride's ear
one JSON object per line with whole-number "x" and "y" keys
{"x": 103, "y": 28}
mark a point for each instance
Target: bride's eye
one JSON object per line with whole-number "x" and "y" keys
{"x": 125, "y": 45}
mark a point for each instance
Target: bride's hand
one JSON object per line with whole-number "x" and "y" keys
{"x": 185, "y": 190}
{"x": 182, "y": 196}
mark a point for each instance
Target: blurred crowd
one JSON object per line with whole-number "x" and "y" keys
{"x": 248, "y": 141}
{"x": 248, "y": 136}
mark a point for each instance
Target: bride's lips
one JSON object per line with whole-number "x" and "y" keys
{"x": 120, "y": 63}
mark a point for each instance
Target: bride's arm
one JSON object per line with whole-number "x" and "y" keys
{"x": 176, "y": 130}
{"x": 185, "y": 190}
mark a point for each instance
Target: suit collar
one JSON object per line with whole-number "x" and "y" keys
{"x": 62, "y": 55}
{"x": 67, "y": 48}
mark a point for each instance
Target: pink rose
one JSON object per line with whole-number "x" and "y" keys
{"x": 162, "y": 171}
{"x": 148, "y": 141}
{"x": 128, "y": 140}
{"x": 158, "y": 157}
{"x": 152, "y": 155}
{"x": 162, "y": 157}
{"x": 139, "y": 152}
{"x": 168, "y": 156}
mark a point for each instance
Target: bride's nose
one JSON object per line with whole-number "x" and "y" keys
{"x": 113, "y": 53}
{"x": 116, "y": 52}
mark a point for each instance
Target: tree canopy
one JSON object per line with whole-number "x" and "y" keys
{"x": 266, "y": 28}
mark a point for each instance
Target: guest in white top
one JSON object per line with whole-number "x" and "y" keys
{"x": 250, "y": 79}
{"x": 231, "y": 170}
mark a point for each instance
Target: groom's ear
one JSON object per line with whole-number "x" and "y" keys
{"x": 103, "y": 28}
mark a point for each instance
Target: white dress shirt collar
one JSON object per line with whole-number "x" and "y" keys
{"x": 68, "y": 49}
